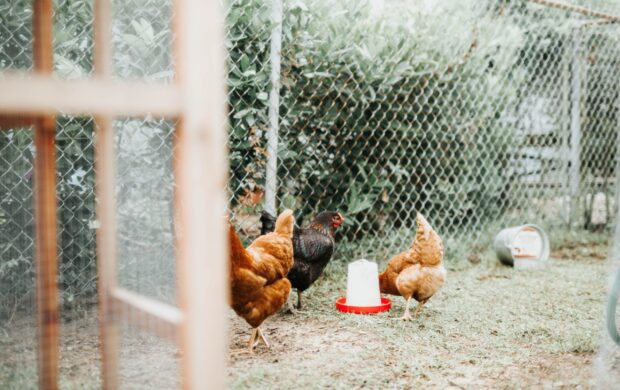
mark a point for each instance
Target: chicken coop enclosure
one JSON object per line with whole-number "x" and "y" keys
{"x": 479, "y": 114}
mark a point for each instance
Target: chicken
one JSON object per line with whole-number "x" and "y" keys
{"x": 259, "y": 287}
{"x": 417, "y": 273}
{"x": 313, "y": 247}
{"x": 268, "y": 223}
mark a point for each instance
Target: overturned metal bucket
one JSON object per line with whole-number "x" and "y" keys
{"x": 525, "y": 246}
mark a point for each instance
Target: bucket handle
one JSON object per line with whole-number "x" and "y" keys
{"x": 612, "y": 328}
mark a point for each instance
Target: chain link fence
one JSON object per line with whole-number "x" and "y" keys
{"x": 142, "y": 41}
{"x": 479, "y": 114}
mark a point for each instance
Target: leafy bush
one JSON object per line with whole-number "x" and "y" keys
{"x": 383, "y": 113}
{"x": 380, "y": 128}
{"x": 73, "y": 57}
{"x": 248, "y": 37}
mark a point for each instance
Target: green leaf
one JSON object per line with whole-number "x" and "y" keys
{"x": 244, "y": 62}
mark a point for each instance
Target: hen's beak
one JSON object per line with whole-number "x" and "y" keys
{"x": 341, "y": 220}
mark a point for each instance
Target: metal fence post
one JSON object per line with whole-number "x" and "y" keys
{"x": 575, "y": 125}
{"x": 565, "y": 130}
{"x": 616, "y": 205}
{"x": 271, "y": 184}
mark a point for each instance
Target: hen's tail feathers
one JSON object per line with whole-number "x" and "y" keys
{"x": 268, "y": 223}
{"x": 238, "y": 255}
{"x": 285, "y": 223}
{"x": 427, "y": 246}
{"x": 243, "y": 281}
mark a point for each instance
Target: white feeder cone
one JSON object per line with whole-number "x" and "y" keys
{"x": 363, "y": 284}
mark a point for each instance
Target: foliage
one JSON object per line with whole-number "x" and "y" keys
{"x": 15, "y": 34}
{"x": 248, "y": 38}
{"x": 16, "y": 223}
{"x": 419, "y": 116}
{"x": 383, "y": 113}
{"x": 76, "y": 201}
{"x": 73, "y": 57}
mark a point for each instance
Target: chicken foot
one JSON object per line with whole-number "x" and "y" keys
{"x": 292, "y": 308}
{"x": 409, "y": 317}
{"x": 255, "y": 338}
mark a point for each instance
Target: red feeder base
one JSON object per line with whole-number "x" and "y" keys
{"x": 341, "y": 305}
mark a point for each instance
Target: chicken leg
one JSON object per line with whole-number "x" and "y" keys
{"x": 419, "y": 308}
{"x": 290, "y": 306}
{"x": 298, "y": 300}
{"x": 407, "y": 316}
{"x": 262, "y": 337}
{"x": 255, "y": 338}
{"x": 292, "y": 309}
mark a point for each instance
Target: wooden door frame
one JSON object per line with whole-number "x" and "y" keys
{"x": 197, "y": 100}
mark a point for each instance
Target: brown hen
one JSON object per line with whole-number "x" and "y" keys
{"x": 259, "y": 287}
{"x": 417, "y": 273}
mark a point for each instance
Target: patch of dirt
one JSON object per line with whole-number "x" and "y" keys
{"x": 581, "y": 252}
{"x": 553, "y": 371}
{"x": 492, "y": 276}
{"x": 298, "y": 335}
{"x": 145, "y": 361}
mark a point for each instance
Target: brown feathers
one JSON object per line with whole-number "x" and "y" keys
{"x": 259, "y": 287}
{"x": 427, "y": 248}
{"x": 418, "y": 272}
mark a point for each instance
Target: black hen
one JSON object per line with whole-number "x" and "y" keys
{"x": 313, "y": 247}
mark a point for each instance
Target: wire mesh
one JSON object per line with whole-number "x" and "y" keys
{"x": 144, "y": 204}
{"x": 479, "y": 114}
{"x": 142, "y": 42}
{"x": 495, "y": 114}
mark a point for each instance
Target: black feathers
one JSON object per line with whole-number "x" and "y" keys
{"x": 268, "y": 223}
{"x": 313, "y": 247}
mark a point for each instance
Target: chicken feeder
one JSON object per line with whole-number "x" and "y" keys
{"x": 363, "y": 296}
{"x": 525, "y": 246}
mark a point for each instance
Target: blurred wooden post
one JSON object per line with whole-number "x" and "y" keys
{"x": 271, "y": 174}
{"x": 45, "y": 208}
{"x": 200, "y": 200}
{"x": 575, "y": 125}
{"x": 13, "y": 121}
{"x": 106, "y": 205}
{"x": 77, "y": 97}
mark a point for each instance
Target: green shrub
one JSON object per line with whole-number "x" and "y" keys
{"x": 384, "y": 115}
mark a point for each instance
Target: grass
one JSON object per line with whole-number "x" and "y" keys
{"x": 489, "y": 327}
